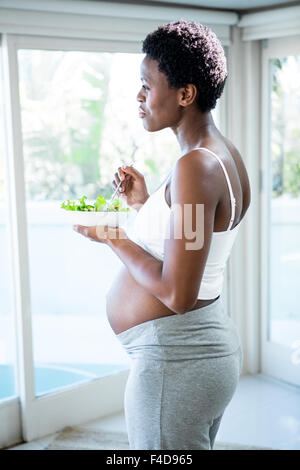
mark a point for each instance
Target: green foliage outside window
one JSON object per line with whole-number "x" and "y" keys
{"x": 285, "y": 142}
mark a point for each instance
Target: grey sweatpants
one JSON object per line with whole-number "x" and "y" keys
{"x": 184, "y": 372}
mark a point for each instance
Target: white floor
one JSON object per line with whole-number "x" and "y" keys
{"x": 263, "y": 412}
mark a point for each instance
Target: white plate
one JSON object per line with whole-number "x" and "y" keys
{"x": 89, "y": 219}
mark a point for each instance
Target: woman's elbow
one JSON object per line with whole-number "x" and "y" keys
{"x": 181, "y": 304}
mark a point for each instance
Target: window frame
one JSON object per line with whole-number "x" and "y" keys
{"x": 275, "y": 358}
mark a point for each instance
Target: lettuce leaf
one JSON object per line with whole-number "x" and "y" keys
{"x": 99, "y": 204}
{"x": 115, "y": 206}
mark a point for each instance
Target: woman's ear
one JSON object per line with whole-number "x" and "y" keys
{"x": 187, "y": 95}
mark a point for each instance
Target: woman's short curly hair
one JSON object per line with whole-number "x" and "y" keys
{"x": 189, "y": 52}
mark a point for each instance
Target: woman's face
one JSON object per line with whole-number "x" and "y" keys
{"x": 159, "y": 106}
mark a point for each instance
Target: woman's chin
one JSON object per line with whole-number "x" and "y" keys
{"x": 148, "y": 127}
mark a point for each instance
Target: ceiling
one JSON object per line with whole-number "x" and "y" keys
{"x": 242, "y": 6}
{"x": 229, "y": 4}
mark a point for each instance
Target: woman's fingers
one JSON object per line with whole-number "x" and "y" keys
{"x": 132, "y": 171}
{"x": 123, "y": 174}
{"x": 120, "y": 175}
{"x": 115, "y": 183}
{"x": 117, "y": 178}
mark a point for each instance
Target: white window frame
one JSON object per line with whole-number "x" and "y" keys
{"x": 275, "y": 358}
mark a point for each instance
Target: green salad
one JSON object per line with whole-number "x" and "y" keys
{"x": 115, "y": 206}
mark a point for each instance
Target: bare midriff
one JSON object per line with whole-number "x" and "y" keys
{"x": 128, "y": 303}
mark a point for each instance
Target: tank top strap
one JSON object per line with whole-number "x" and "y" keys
{"x": 232, "y": 198}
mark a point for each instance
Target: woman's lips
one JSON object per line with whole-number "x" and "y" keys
{"x": 141, "y": 113}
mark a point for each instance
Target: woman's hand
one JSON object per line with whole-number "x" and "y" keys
{"x": 101, "y": 233}
{"x": 133, "y": 189}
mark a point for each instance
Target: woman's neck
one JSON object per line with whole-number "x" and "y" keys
{"x": 193, "y": 129}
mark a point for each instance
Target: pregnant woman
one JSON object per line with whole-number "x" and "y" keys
{"x": 165, "y": 305}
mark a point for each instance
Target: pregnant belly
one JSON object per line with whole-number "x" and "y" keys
{"x": 129, "y": 304}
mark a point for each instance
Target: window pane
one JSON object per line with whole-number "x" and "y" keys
{"x": 63, "y": 97}
{"x": 7, "y": 337}
{"x": 284, "y": 267}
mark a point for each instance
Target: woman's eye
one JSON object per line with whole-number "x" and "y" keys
{"x": 145, "y": 87}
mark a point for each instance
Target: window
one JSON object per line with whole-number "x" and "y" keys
{"x": 280, "y": 222}
{"x": 284, "y": 234}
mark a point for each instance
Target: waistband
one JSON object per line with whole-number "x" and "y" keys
{"x": 202, "y": 333}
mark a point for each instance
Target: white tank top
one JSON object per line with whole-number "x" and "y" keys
{"x": 151, "y": 225}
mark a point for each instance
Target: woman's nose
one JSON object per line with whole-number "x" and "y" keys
{"x": 140, "y": 96}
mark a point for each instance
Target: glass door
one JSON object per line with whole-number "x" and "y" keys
{"x": 72, "y": 120}
{"x": 281, "y": 210}
{"x": 63, "y": 97}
